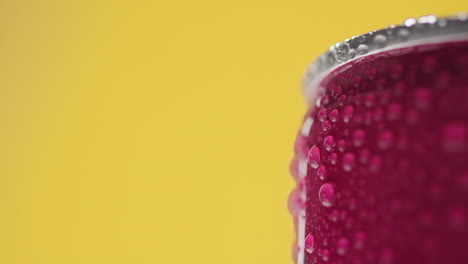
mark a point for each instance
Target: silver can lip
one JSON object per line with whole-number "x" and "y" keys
{"x": 425, "y": 29}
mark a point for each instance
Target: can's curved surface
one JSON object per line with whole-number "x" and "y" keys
{"x": 382, "y": 159}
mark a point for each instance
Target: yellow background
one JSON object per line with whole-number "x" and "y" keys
{"x": 159, "y": 131}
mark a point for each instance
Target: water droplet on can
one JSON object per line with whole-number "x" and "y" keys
{"x": 375, "y": 164}
{"x": 314, "y": 157}
{"x": 423, "y": 98}
{"x": 387, "y": 256}
{"x": 309, "y": 243}
{"x": 403, "y": 33}
{"x": 326, "y": 125}
{"x": 342, "y": 49}
{"x": 334, "y": 158}
{"x": 454, "y": 137}
{"x": 429, "y": 19}
{"x": 325, "y": 255}
{"x": 342, "y": 245}
{"x": 334, "y": 114}
{"x": 347, "y": 113}
{"x": 386, "y": 139}
{"x": 360, "y": 240}
{"x": 358, "y": 137}
{"x": 341, "y": 145}
{"x": 334, "y": 216}
{"x": 322, "y": 172}
{"x": 348, "y": 161}
{"x": 322, "y": 114}
{"x": 364, "y": 156}
{"x": 394, "y": 111}
{"x": 329, "y": 143}
{"x": 362, "y": 49}
{"x": 409, "y": 22}
{"x": 457, "y": 218}
{"x": 380, "y": 40}
{"x": 326, "y": 194}
{"x": 442, "y": 22}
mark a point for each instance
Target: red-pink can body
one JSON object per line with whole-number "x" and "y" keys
{"x": 382, "y": 157}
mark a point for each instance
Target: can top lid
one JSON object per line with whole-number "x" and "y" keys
{"x": 425, "y": 29}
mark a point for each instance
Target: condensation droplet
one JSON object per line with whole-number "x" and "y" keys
{"x": 409, "y": 22}
{"x": 378, "y": 114}
{"x": 334, "y": 215}
{"x": 325, "y": 100}
{"x": 358, "y": 137}
{"x": 403, "y": 33}
{"x": 369, "y": 99}
{"x": 403, "y": 142}
{"x": 329, "y": 143}
{"x": 336, "y": 91}
{"x": 342, "y": 49}
{"x": 367, "y": 118}
{"x": 394, "y": 111}
{"x": 360, "y": 240}
{"x": 325, "y": 255}
{"x": 364, "y": 156}
{"x": 309, "y": 243}
{"x": 326, "y": 125}
{"x": 342, "y": 99}
{"x": 362, "y": 49}
{"x": 349, "y": 160}
{"x": 412, "y": 116}
{"x": 380, "y": 40}
{"x": 429, "y": 19}
{"x": 349, "y": 223}
{"x": 322, "y": 114}
{"x": 347, "y": 113}
{"x": 341, "y": 145}
{"x": 457, "y": 218}
{"x": 342, "y": 245}
{"x": 326, "y": 194}
{"x": 387, "y": 256}
{"x": 322, "y": 172}
{"x": 353, "y": 204}
{"x": 375, "y": 164}
{"x": 334, "y": 114}
{"x": 462, "y": 16}
{"x": 386, "y": 139}
{"x": 396, "y": 72}
{"x": 333, "y": 158}
{"x": 454, "y": 137}
{"x": 423, "y": 98}
{"x": 314, "y": 157}
{"x": 399, "y": 88}
{"x": 442, "y": 22}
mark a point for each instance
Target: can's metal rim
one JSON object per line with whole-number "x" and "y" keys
{"x": 425, "y": 29}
